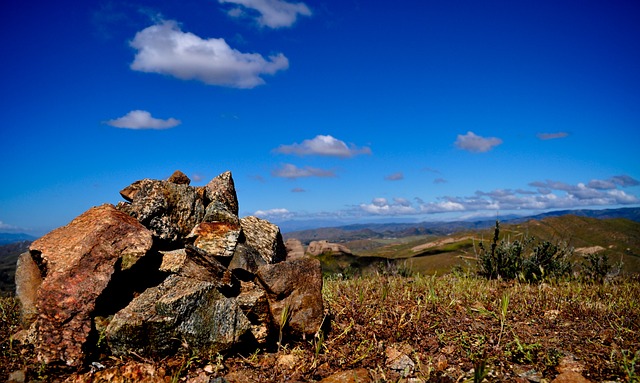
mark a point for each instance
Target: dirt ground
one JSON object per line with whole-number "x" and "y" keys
{"x": 416, "y": 329}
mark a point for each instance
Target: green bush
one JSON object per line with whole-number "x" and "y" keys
{"x": 527, "y": 259}
{"x": 596, "y": 267}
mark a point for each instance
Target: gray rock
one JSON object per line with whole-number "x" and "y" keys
{"x": 28, "y": 281}
{"x": 179, "y": 310}
{"x": 222, "y": 189}
{"x": 245, "y": 262}
{"x": 265, "y": 237}
{"x": 168, "y": 209}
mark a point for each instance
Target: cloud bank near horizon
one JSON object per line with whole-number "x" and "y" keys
{"x": 548, "y": 195}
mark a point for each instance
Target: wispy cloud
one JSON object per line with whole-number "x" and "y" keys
{"x": 430, "y": 170}
{"x": 270, "y": 13}
{"x": 298, "y": 190}
{"x": 398, "y": 176}
{"x": 292, "y": 172}
{"x": 7, "y": 227}
{"x": 141, "y": 119}
{"x": 439, "y": 181}
{"x": 552, "y": 136}
{"x": 476, "y": 144}
{"x": 322, "y": 146}
{"x": 164, "y": 48}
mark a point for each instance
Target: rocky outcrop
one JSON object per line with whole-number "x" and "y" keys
{"x": 294, "y": 248}
{"x": 316, "y": 248}
{"x": 173, "y": 265}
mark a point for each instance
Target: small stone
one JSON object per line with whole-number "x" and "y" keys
{"x": 570, "y": 377}
{"x": 532, "y": 376}
{"x": 399, "y": 362}
{"x": 287, "y": 361}
{"x": 359, "y": 375}
{"x": 18, "y": 376}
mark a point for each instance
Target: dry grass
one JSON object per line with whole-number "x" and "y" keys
{"x": 445, "y": 325}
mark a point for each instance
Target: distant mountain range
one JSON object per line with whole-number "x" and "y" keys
{"x": 7, "y": 238}
{"x": 354, "y": 232}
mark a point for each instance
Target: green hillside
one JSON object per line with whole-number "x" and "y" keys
{"x": 618, "y": 238}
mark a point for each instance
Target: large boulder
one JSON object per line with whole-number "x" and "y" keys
{"x": 78, "y": 261}
{"x": 294, "y": 290}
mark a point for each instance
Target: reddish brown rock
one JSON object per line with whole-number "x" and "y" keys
{"x": 570, "y": 377}
{"x": 359, "y": 375}
{"x": 222, "y": 189}
{"x": 295, "y": 286}
{"x": 216, "y": 238}
{"x": 264, "y": 237}
{"x": 179, "y": 178}
{"x": 128, "y": 373}
{"x": 79, "y": 260}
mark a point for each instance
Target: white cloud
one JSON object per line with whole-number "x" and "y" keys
{"x": 381, "y": 206}
{"x": 322, "y": 146}
{"x": 398, "y": 176}
{"x": 272, "y": 13}
{"x": 164, "y": 48}
{"x": 141, "y": 119}
{"x": 476, "y": 144}
{"x": 279, "y": 213}
{"x": 291, "y": 171}
{"x": 552, "y": 136}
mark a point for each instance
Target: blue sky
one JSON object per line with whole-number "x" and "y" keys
{"x": 332, "y": 111}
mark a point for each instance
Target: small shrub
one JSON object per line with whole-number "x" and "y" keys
{"x": 597, "y": 267}
{"x": 526, "y": 259}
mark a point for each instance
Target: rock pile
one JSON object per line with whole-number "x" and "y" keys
{"x": 174, "y": 265}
